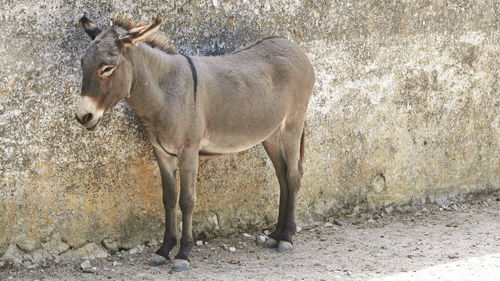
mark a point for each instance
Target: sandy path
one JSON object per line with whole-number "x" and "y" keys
{"x": 459, "y": 243}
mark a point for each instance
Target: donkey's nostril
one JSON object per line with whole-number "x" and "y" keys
{"x": 86, "y": 118}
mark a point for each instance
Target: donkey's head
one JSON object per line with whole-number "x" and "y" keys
{"x": 107, "y": 74}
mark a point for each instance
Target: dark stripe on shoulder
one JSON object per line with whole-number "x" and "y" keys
{"x": 256, "y": 43}
{"x": 193, "y": 72}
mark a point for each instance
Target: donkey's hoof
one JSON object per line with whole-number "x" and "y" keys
{"x": 270, "y": 243}
{"x": 157, "y": 261}
{"x": 285, "y": 247}
{"x": 180, "y": 265}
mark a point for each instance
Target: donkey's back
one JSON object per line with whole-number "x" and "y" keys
{"x": 247, "y": 95}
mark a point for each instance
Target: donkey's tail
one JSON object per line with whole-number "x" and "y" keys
{"x": 302, "y": 148}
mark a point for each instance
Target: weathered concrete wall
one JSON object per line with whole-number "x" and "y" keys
{"x": 405, "y": 109}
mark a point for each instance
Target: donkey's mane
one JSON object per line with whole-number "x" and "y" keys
{"x": 156, "y": 40}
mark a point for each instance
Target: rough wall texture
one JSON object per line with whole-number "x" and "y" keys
{"x": 405, "y": 109}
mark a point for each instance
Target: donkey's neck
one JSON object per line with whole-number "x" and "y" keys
{"x": 152, "y": 71}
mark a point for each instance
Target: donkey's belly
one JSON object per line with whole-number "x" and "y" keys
{"x": 210, "y": 147}
{"x": 233, "y": 143}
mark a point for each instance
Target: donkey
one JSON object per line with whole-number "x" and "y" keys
{"x": 202, "y": 106}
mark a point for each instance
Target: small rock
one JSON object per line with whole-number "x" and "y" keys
{"x": 261, "y": 238}
{"x": 299, "y": 229}
{"x": 247, "y": 235}
{"x": 199, "y": 243}
{"x": 85, "y": 265}
{"x": 137, "y": 249}
{"x": 232, "y": 249}
{"x": 234, "y": 261}
{"x": 110, "y": 244}
{"x": 13, "y": 255}
{"x": 25, "y": 243}
{"x": 115, "y": 263}
{"x": 328, "y": 224}
{"x": 56, "y": 246}
{"x": 87, "y": 252}
{"x": 91, "y": 270}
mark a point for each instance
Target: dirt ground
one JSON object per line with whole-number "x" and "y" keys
{"x": 457, "y": 242}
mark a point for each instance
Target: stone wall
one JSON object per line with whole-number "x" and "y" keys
{"x": 405, "y": 110}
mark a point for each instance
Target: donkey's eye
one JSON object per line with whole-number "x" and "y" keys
{"x": 107, "y": 70}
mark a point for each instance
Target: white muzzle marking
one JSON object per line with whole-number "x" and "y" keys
{"x": 88, "y": 105}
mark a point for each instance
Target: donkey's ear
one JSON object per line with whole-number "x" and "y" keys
{"x": 139, "y": 34}
{"x": 90, "y": 27}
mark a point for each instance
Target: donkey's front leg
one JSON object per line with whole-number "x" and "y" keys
{"x": 188, "y": 164}
{"x": 167, "y": 164}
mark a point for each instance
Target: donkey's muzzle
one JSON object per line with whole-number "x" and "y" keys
{"x": 87, "y": 113}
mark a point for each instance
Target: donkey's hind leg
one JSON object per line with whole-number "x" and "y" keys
{"x": 273, "y": 147}
{"x": 292, "y": 138}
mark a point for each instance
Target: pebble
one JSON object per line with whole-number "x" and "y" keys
{"x": 247, "y": 235}
{"x": 299, "y": 229}
{"x": 85, "y": 265}
{"x": 110, "y": 244}
{"x": 199, "y": 243}
{"x": 89, "y": 251}
{"x": 137, "y": 249}
{"x": 26, "y": 244}
{"x": 261, "y": 238}
{"x": 328, "y": 224}
{"x": 232, "y": 249}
